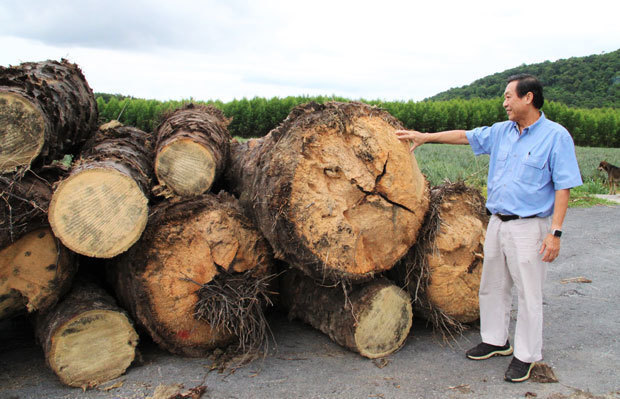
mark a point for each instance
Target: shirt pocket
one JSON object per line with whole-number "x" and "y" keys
{"x": 533, "y": 170}
{"x": 500, "y": 165}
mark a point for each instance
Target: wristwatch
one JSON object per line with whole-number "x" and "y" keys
{"x": 556, "y": 233}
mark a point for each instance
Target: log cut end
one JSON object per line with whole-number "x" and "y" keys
{"x": 31, "y": 273}
{"x": 187, "y": 245}
{"x": 456, "y": 266}
{"x": 385, "y": 323}
{"x": 93, "y": 348}
{"x": 22, "y": 131}
{"x": 358, "y": 197}
{"x": 98, "y": 212}
{"x": 185, "y": 166}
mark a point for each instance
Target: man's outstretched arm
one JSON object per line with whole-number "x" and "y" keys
{"x": 418, "y": 138}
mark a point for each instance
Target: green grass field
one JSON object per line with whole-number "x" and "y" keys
{"x": 451, "y": 162}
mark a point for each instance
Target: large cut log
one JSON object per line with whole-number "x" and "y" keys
{"x": 372, "y": 318}
{"x": 198, "y": 277}
{"x": 35, "y": 271}
{"x": 333, "y": 190}
{"x": 24, "y": 202}
{"x": 87, "y": 338}
{"x": 192, "y": 149}
{"x": 101, "y": 208}
{"x": 47, "y": 110}
{"x": 442, "y": 271}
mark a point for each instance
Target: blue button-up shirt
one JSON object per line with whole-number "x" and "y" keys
{"x": 526, "y": 169}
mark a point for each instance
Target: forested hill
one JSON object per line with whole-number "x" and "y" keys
{"x": 586, "y": 82}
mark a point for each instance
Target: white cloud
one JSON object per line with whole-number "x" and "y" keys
{"x": 357, "y": 49}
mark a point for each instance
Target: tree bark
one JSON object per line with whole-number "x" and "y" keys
{"x": 101, "y": 208}
{"x": 372, "y": 319}
{"x": 87, "y": 338}
{"x": 442, "y": 271}
{"x": 333, "y": 190}
{"x": 35, "y": 271}
{"x": 188, "y": 245}
{"x": 47, "y": 110}
{"x": 193, "y": 145}
{"x": 24, "y": 204}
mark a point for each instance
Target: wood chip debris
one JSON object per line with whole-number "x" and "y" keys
{"x": 115, "y": 385}
{"x": 463, "y": 388}
{"x": 580, "y": 279}
{"x": 381, "y": 363}
{"x": 174, "y": 392}
{"x": 542, "y": 372}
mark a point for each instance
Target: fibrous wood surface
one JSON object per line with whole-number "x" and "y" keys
{"x": 47, "y": 110}
{"x": 192, "y": 149}
{"x": 101, "y": 208}
{"x": 188, "y": 245}
{"x": 35, "y": 271}
{"x": 87, "y": 338}
{"x": 333, "y": 190}
{"x": 372, "y": 319}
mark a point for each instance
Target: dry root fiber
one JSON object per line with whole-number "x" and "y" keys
{"x": 442, "y": 271}
{"x": 24, "y": 202}
{"x": 333, "y": 190}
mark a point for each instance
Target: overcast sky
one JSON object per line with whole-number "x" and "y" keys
{"x": 380, "y": 49}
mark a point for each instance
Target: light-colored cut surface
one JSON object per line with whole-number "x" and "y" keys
{"x": 358, "y": 199}
{"x": 98, "y": 212}
{"x": 26, "y": 269}
{"x": 384, "y": 326}
{"x": 94, "y": 347}
{"x": 22, "y": 131}
{"x": 185, "y": 166}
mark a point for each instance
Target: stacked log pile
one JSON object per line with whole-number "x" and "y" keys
{"x": 331, "y": 196}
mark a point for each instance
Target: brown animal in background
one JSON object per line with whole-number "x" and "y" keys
{"x": 613, "y": 175}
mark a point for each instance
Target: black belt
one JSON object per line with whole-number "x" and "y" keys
{"x": 507, "y": 218}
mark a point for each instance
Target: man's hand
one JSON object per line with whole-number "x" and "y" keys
{"x": 550, "y": 248}
{"x": 413, "y": 136}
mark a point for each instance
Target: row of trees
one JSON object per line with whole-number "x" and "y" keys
{"x": 585, "y": 82}
{"x": 599, "y": 127}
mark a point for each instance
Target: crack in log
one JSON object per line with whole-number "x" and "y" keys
{"x": 375, "y": 192}
{"x": 380, "y": 175}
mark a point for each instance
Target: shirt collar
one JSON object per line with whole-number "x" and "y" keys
{"x": 532, "y": 126}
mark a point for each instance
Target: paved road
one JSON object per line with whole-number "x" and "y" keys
{"x": 581, "y": 345}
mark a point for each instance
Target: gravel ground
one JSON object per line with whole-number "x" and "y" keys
{"x": 581, "y": 345}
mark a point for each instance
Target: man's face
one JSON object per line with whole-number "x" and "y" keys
{"x": 515, "y": 107}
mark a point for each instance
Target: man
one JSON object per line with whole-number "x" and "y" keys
{"x": 532, "y": 168}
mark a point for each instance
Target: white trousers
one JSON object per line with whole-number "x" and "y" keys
{"x": 511, "y": 257}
